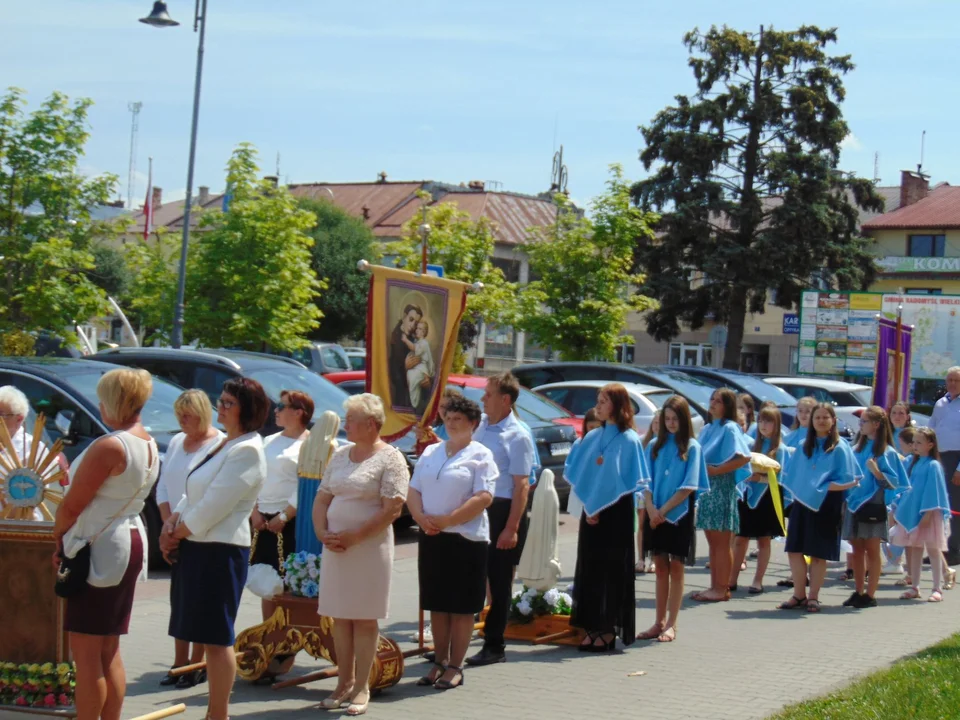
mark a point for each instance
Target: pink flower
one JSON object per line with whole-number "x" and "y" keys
{"x": 21, "y": 700}
{"x": 50, "y": 700}
{"x": 64, "y": 699}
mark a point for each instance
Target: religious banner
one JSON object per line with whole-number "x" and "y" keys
{"x": 412, "y": 326}
{"x": 887, "y": 388}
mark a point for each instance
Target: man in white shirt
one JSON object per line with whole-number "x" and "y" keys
{"x": 945, "y": 421}
{"x": 14, "y": 408}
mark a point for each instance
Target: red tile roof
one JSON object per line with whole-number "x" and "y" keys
{"x": 938, "y": 210}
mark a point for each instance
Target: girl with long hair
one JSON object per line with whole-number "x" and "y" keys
{"x": 900, "y": 418}
{"x": 818, "y": 476}
{"x": 590, "y": 422}
{"x": 758, "y": 515}
{"x": 727, "y": 455}
{"x": 747, "y": 406}
{"x": 606, "y": 470}
{"x": 643, "y": 567}
{"x": 801, "y": 422}
{"x": 865, "y": 516}
{"x": 922, "y": 514}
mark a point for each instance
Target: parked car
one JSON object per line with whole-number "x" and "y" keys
{"x": 209, "y": 369}
{"x": 578, "y": 396}
{"x": 759, "y": 390}
{"x": 696, "y": 392}
{"x": 849, "y": 399}
{"x": 65, "y": 391}
{"x": 554, "y": 428}
{"x": 319, "y": 357}
{"x": 357, "y": 357}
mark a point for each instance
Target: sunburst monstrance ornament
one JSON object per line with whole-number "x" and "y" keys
{"x": 24, "y": 483}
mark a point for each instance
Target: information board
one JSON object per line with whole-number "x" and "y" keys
{"x": 838, "y": 333}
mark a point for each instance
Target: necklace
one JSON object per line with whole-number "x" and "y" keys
{"x": 451, "y": 451}
{"x": 604, "y": 447}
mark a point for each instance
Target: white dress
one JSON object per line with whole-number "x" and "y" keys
{"x": 355, "y": 584}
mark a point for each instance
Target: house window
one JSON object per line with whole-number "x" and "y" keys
{"x": 924, "y": 291}
{"x": 501, "y": 341}
{"x": 509, "y": 268}
{"x": 925, "y": 245}
{"x": 625, "y": 353}
{"x": 691, "y": 354}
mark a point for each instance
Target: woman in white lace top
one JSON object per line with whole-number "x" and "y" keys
{"x": 362, "y": 493}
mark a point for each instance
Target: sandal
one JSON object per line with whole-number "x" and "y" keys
{"x": 587, "y": 644}
{"x": 605, "y": 645}
{"x": 813, "y": 606}
{"x": 904, "y": 582}
{"x": 639, "y": 569}
{"x": 793, "y": 603}
{"x": 442, "y": 684}
{"x": 784, "y": 583}
{"x": 335, "y": 702}
{"x": 668, "y": 635}
{"x": 652, "y": 634}
{"x": 950, "y": 580}
{"x": 427, "y": 680}
{"x": 911, "y": 594}
{"x": 753, "y": 590}
{"x": 935, "y": 596}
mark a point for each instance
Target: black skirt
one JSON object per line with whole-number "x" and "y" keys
{"x": 816, "y": 534}
{"x": 760, "y": 521}
{"x": 266, "y": 551}
{"x": 453, "y": 573}
{"x": 603, "y": 584}
{"x": 669, "y": 539}
{"x": 106, "y": 611}
{"x": 205, "y": 592}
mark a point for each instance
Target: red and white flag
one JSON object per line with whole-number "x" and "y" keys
{"x": 148, "y": 205}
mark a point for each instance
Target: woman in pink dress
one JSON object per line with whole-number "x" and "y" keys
{"x": 362, "y": 493}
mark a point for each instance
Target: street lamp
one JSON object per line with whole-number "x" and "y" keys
{"x": 159, "y": 18}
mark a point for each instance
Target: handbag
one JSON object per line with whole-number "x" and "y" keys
{"x": 875, "y": 510}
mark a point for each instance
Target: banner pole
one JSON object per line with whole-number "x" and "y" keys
{"x": 897, "y": 362}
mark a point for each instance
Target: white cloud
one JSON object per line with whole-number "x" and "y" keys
{"x": 851, "y": 143}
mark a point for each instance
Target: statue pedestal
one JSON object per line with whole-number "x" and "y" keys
{"x": 543, "y": 629}
{"x": 294, "y": 625}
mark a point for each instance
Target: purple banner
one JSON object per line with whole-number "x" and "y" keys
{"x": 885, "y": 392}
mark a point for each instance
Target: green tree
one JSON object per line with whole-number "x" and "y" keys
{"x": 250, "y": 282}
{"x": 152, "y": 265}
{"x": 747, "y": 183}
{"x": 464, "y": 247}
{"x": 340, "y": 241}
{"x": 45, "y": 224}
{"x": 110, "y": 271}
{"x": 585, "y": 286}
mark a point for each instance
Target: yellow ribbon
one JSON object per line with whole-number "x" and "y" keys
{"x": 775, "y": 496}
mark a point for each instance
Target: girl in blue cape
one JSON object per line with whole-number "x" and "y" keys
{"x": 727, "y": 454}
{"x": 865, "y": 517}
{"x": 643, "y": 567}
{"x": 922, "y": 514}
{"x": 900, "y": 418}
{"x": 606, "y": 469}
{"x": 801, "y": 423}
{"x": 747, "y": 406}
{"x": 679, "y": 474}
{"x": 818, "y": 476}
{"x": 758, "y": 516}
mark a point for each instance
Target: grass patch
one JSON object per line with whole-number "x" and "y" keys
{"x": 925, "y": 686}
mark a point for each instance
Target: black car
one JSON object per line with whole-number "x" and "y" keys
{"x": 208, "y": 370}
{"x": 696, "y": 392}
{"x": 65, "y": 391}
{"x": 752, "y": 385}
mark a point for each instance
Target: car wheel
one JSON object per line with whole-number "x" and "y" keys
{"x": 150, "y": 516}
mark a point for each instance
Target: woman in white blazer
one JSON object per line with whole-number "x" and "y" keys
{"x": 209, "y": 535}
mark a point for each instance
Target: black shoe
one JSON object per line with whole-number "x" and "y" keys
{"x": 429, "y": 657}
{"x": 189, "y": 680}
{"x": 487, "y": 656}
{"x": 866, "y": 601}
{"x": 852, "y": 601}
{"x": 169, "y": 679}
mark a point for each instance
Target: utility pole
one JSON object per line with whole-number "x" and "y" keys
{"x": 134, "y": 109}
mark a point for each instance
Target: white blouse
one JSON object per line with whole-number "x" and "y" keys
{"x": 280, "y": 487}
{"x": 222, "y": 491}
{"x": 177, "y": 464}
{"x": 446, "y": 483}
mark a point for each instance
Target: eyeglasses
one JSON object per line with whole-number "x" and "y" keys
{"x": 225, "y": 404}
{"x": 281, "y": 407}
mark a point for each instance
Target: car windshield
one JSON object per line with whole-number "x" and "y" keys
{"x": 530, "y": 407}
{"x": 687, "y": 385}
{"x": 766, "y": 391}
{"x": 157, "y": 414}
{"x": 658, "y": 398}
{"x": 865, "y": 396}
{"x": 325, "y": 395}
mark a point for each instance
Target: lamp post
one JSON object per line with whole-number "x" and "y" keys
{"x": 159, "y": 18}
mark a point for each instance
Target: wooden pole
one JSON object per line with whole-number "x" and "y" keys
{"x": 897, "y": 361}
{"x": 166, "y": 712}
{"x": 562, "y": 635}
{"x": 308, "y": 678}
{"x": 184, "y": 669}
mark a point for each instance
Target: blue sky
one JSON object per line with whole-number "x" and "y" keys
{"x": 455, "y": 91}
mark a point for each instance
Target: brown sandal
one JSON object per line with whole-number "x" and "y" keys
{"x": 794, "y": 603}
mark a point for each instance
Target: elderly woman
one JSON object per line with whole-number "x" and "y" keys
{"x": 451, "y": 488}
{"x": 111, "y": 480}
{"x": 210, "y": 532}
{"x": 186, "y": 449}
{"x": 362, "y": 493}
{"x": 14, "y": 408}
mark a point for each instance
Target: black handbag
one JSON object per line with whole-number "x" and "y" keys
{"x": 873, "y": 511}
{"x": 73, "y": 573}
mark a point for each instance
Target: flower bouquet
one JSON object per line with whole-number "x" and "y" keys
{"x": 529, "y": 603}
{"x": 39, "y": 686}
{"x": 302, "y": 574}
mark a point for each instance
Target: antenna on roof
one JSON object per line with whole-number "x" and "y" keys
{"x": 278, "y": 163}
{"x": 876, "y": 168}
{"x": 923, "y": 139}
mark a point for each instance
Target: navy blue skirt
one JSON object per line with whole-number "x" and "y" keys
{"x": 205, "y": 592}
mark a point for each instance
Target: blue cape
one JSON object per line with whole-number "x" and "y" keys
{"x": 808, "y": 478}
{"x": 671, "y": 473}
{"x": 752, "y": 431}
{"x": 892, "y": 468}
{"x": 624, "y": 469}
{"x": 795, "y": 438}
{"x": 928, "y": 491}
{"x": 723, "y": 440}
{"x": 753, "y": 492}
